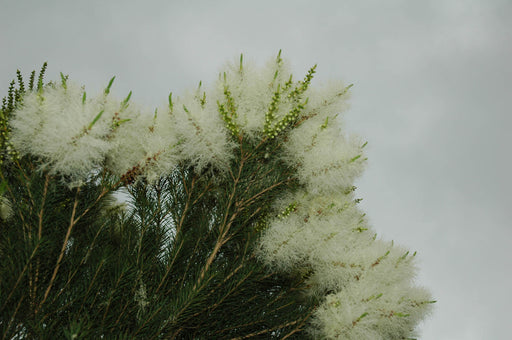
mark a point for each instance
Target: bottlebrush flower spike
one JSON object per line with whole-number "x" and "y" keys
{"x": 68, "y": 134}
{"x": 363, "y": 286}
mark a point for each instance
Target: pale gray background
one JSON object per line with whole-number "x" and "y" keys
{"x": 432, "y": 96}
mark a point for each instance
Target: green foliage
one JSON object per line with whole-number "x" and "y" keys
{"x": 174, "y": 261}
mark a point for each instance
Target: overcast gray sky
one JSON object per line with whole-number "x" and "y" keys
{"x": 432, "y": 95}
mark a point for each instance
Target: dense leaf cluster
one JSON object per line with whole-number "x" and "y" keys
{"x": 118, "y": 259}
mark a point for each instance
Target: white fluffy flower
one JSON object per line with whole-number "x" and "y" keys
{"x": 310, "y": 233}
{"x": 252, "y": 88}
{"x": 369, "y": 310}
{"x": 74, "y": 136}
{"x": 369, "y": 282}
{"x": 327, "y": 160}
{"x": 203, "y": 137}
{"x": 57, "y": 125}
{"x": 327, "y": 241}
{"x": 145, "y": 142}
{"x": 364, "y": 285}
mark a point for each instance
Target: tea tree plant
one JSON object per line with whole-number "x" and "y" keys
{"x": 237, "y": 217}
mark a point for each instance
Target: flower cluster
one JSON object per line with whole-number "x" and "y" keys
{"x": 75, "y": 136}
{"x": 64, "y": 129}
{"x": 364, "y": 284}
{"x": 203, "y": 135}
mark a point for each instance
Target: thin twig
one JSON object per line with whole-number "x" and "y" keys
{"x": 40, "y": 230}
{"x": 90, "y": 285}
{"x": 266, "y": 330}
{"x": 187, "y": 203}
{"x": 20, "y": 277}
{"x": 299, "y": 327}
{"x": 72, "y": 223}
{"x": 223, "y": 229}
{"x": 12, "y": 319}
{"x": 168, "y": 270}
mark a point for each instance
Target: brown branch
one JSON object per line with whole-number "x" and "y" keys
{"x": 72, "y": 275}
{"x": 90, "y": 285}
{"x": 250, "y": 200}
{"x": 111, "y": 297}
{"x": 220, "y": 242}
{"x": 20, "y": 277}
{"x": 132, "y": 292}
{"x": 12, "y": 318}
{"x": 266, "y": 330}
{"x": 40, "y": 230}
{"x": 168, "y": 270}
{"x": 299, "y": 327}
{"x": 104, "y": 191}
{"x": 187, "y": 203}
{"x": 40, "y": 215}
{"x": 214, "y": 306}
{"x": 188, "y": 266}
{"x": 202, "y": 194}
{"x": 122, "y": 312}
{"x": 148, "y": 320}
{"x": 72, "y": 223}
{"x": 223, "y": 229}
